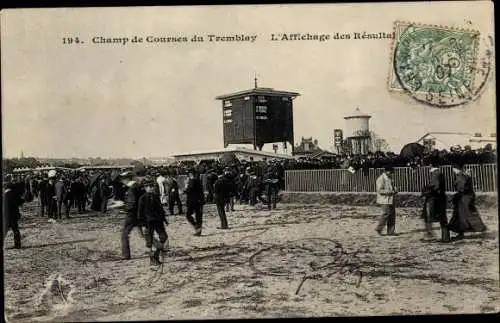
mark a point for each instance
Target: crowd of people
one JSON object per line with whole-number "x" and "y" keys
{"x": 465, "y": 155}
{"x": 144, "y": 194}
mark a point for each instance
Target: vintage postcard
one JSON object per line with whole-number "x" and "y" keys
{"x": 249, "y": 161}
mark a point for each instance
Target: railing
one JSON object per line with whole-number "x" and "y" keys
{"x": 484, "y": 177}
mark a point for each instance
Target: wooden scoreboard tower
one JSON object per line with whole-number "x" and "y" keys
{"x": 258, "y": 116}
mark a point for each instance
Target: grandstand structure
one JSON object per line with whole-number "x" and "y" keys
{"x": 241, "y": 154}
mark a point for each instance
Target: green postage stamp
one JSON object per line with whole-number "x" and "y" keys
{"x": 438, "y": 66}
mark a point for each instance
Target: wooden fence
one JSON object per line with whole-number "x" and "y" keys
{"x": 484, "y": 177}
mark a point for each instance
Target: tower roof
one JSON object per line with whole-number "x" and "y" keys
{"x": 357, "y": 114}
{"x": 257, "y": 91}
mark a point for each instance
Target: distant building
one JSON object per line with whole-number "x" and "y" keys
{"x": 307, "y": 148}
{"x": 446, "y": 140}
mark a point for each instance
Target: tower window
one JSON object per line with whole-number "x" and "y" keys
{"x": 285, "y": 98}
{"x": 261, "y": 109}
{"x": 228, "y": 120}
{"x": 228, "y": 103}
{"x": 246, "y": 98}
{"x": 261, "y": 99}
{"x": 228, "y": 112}
{"x": 261, "y": 117}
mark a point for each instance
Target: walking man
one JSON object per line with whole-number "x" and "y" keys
{"x": 385, "y": 198}
{"x": 151, "y": 212}
{"x": 195, "y": 198}
{"x": 271, "y": 183}
{"x": 11, "y": 215}
{"x": 173, "y": 195}
{"x": 435, "y": 204}
{"x": 230, "y": 178}
{"x": 134, "y": 192}
{"x": 221, "y": 196}
{"x": 211, "y": 176}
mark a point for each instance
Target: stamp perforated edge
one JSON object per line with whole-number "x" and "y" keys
{"x": 396, "y": 23}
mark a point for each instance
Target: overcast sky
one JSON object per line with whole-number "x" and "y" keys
{"x": 147, "y": 100}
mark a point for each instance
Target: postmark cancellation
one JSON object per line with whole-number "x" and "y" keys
{"x": 437, "y": 65}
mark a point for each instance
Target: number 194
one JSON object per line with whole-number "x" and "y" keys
{"x": 71, "y": 40}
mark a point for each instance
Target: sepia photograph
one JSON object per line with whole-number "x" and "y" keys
{"x": 249, "y": 161}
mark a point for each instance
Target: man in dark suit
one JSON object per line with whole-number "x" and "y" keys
{"x": 62, "y": 197}
{"x": 195, "y": 198}
{"x": 42, "y": 195}
{"x": 435, "y": 203}
{"x": 230, "y": 177}
{"x": 151, "y": 213}
{"x": 173, "y": 195}
{"x": 78, "y": 191}
{"x": 50, "y": 196}
{"x": 221, "y": 196}
{"x": 271, "y": 186}
{"x": 104, "y": 193}
{"x": 134, "y": 192}
{"x": 11, "y": 215}
{"x": 211, "y": 176}
{"x": 242, "y": 186}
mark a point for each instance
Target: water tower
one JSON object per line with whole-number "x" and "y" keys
{"x": 358, "y": 132}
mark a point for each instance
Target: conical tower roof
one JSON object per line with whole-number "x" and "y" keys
{"x": 357, "y": 114}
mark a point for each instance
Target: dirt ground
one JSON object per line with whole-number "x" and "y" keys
{"x": 71, "y": 270}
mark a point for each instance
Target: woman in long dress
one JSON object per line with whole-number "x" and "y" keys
{"x": 465, "y": 215}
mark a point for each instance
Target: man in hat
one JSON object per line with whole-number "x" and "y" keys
{"x": 254, "y": 186}
{"x": 79, "y": 194}
{"x": 195, "y": 198}
{"x": 221, "y": 196}
{"x": 134, "y": 192}
{"x": 230, "y": 178}
{"x": 151, "y": 212}
{"x": 51, "y": 199}
{"x": 435, "y": 203}
{"x": 104, "y": 193}
{"x": 211, "y": 177}
{"x": 271, "y": 185}
{"x": 172, "y": 188}
{"x": 62, "y": 197}
{"x": 11, "y": 215}
{"x": 385, "y": 198}
{"x": 242, "y": 185}
{"x": 42, "y": 195}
